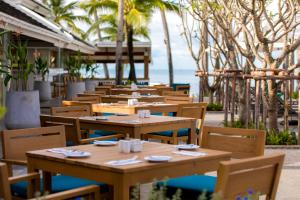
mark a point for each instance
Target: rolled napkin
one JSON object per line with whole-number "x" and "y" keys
{"x": 124, "y": 162}
{"x": 189, "y": 153}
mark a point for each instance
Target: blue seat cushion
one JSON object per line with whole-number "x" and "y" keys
{"x": 191, "y": 186}
{"x": 59, "y": 184}
{"x": 98, "y": 133}
{"x": 107, "y": 114}
{"x": 182, "y": 132}
{"x": 170, "y": 114}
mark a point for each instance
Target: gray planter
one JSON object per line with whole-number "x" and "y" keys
{"x": 44, "y": 88}
{"x": 90, "y": 84}
{"x": 23, "y": 110}
{"x": 74, "y": 88}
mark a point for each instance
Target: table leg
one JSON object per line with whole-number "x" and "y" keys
{"x": 47, "y": 182}
{"x": 121, "y": 191}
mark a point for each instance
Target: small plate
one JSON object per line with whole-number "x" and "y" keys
{"x": 77, "y": 154}
{"x": 105, "y": 143}
{"x": 100, "y": 118}
{"x": 187, "y": 147}
{"x": 158, "y": 158}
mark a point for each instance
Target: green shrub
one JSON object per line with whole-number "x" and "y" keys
{"x": 238, "y": 124}
{"x": 214, "y": 107}
{"x": 294, "y": 95}
{"x": 281, "y": 138}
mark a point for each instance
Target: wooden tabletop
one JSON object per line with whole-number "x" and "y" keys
{"x": 124, "y": 108}
{"x": 135, "y": 121}
{"x": 101, "y": 155}
{"x": 143, "y": 98}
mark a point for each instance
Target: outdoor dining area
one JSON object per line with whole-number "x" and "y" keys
{"x": 105, "y": 144}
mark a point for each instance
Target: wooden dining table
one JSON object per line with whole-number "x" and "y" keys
{"x": 142, "y": 98}
{"x": 135, "y": 127}
{"x": 163, "y": 108}
{"x": 123, "y": 178}
{"x": 129, "y": 91}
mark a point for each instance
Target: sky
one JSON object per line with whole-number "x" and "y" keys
{"x": 181, "y": 56}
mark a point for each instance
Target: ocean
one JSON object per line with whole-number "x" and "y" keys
{"x": 161, "y": 75}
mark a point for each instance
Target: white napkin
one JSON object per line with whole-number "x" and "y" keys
{"x": 124, "y": 162}
{"x": 189, "y": 153}
{"x": 58, "y": 150}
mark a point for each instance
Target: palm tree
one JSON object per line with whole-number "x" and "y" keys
{"x": 119, "y": 50}
{"x": 63, "y": 14}
{"x": 163, "y": 6}
{"x": 92, "y": 7}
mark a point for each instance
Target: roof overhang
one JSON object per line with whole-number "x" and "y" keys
{"x": 54, "y": 34}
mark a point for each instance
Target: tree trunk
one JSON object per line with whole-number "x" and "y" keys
{"x": 132, "y": 74}
{"x": 106, "y": 72}
{"x": 272, "y": 107}
{"x": 119, "y": 50}
{"x": 211, "y": 96}
{"x": 243, "y": 112}
{"x": 168, "y": 46}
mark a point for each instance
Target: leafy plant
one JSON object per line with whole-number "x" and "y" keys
{"x": 41, "y": 66}
{"x": 2, "y": 112}
{"x": 73, "y": 65}
{"x": 214, "y": 107}
{"x": 18, "y": 67}
{"x": 91, "y": 69}
{"x": 281, "y": 138}
{"x": 294, "y": 95}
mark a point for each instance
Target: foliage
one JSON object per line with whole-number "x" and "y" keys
{"x": 41, "y": 66}
{"x": 214, "y": 107}
{"x": 239, "y": 124}
{"x": 294, "y": 95}
{"x": 2, "y": 112}
{"x": 73, "y": 65}
{"x": 18, "y": 68}
{"x": 63, "y": 14}
{"x": 90, "y": 69}
{"x": 281, "y": 138}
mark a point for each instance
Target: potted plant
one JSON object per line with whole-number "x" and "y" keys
{"x": 42, "y": 69}
{"x": 91, "y": 70}
{"x": 73, "y": 65}
{"x": 22, "y": 105}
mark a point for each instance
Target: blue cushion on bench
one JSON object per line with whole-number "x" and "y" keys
{"x": 182, "y": 132}
{"x": 59, "y": 184}
{"x": 191, "y": 186}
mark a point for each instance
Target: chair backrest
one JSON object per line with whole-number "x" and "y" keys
{"x": 179, "y": 93}
{"x": 243, "y": 143}
{"x": 99, "y": 92}
{"x": 79, "y": 110}
{"x": 17, "y": 142}
{"x": 72, "y": 126}
{"x": 5, "y": 192}
{"x": 259, "y": 174}
{"x": 193, "y": 110}
{"x": 178, "y": 99}
{"x": 87, "y": 99}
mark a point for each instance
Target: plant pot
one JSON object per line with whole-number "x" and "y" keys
{"x": 23, "y": 110}
{"x": 74, "y": 88}
{"x": 44, "y": 88}
{"x": 90, "y": 84}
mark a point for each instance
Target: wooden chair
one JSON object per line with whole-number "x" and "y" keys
{"x": 175, "y": 93}
{"x": 80, "y": 110}
{"x": 74, "y": 135}
{"x": 178, "y": 99}
{"x": 235, "y": 178}
{"x": 90, "y": 192}
{"x": 243, "y": 143}
{"x": 87, "y": 99}
{"x": 185, "y": 88}
{"x": 17, "y": 142}
{"x": 192, "y": 110}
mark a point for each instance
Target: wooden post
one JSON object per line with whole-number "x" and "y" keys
{"x": 200, "y": 89}
{"x": 257, "y": 102}
{"x": 286, "y": 111}
{"x": 247, "y": 82}
{"x": 146, "y": 67}
{"x": 264, "y": 103}
{"x": 226, "y": 100}
{"x": 233, "y": 86}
